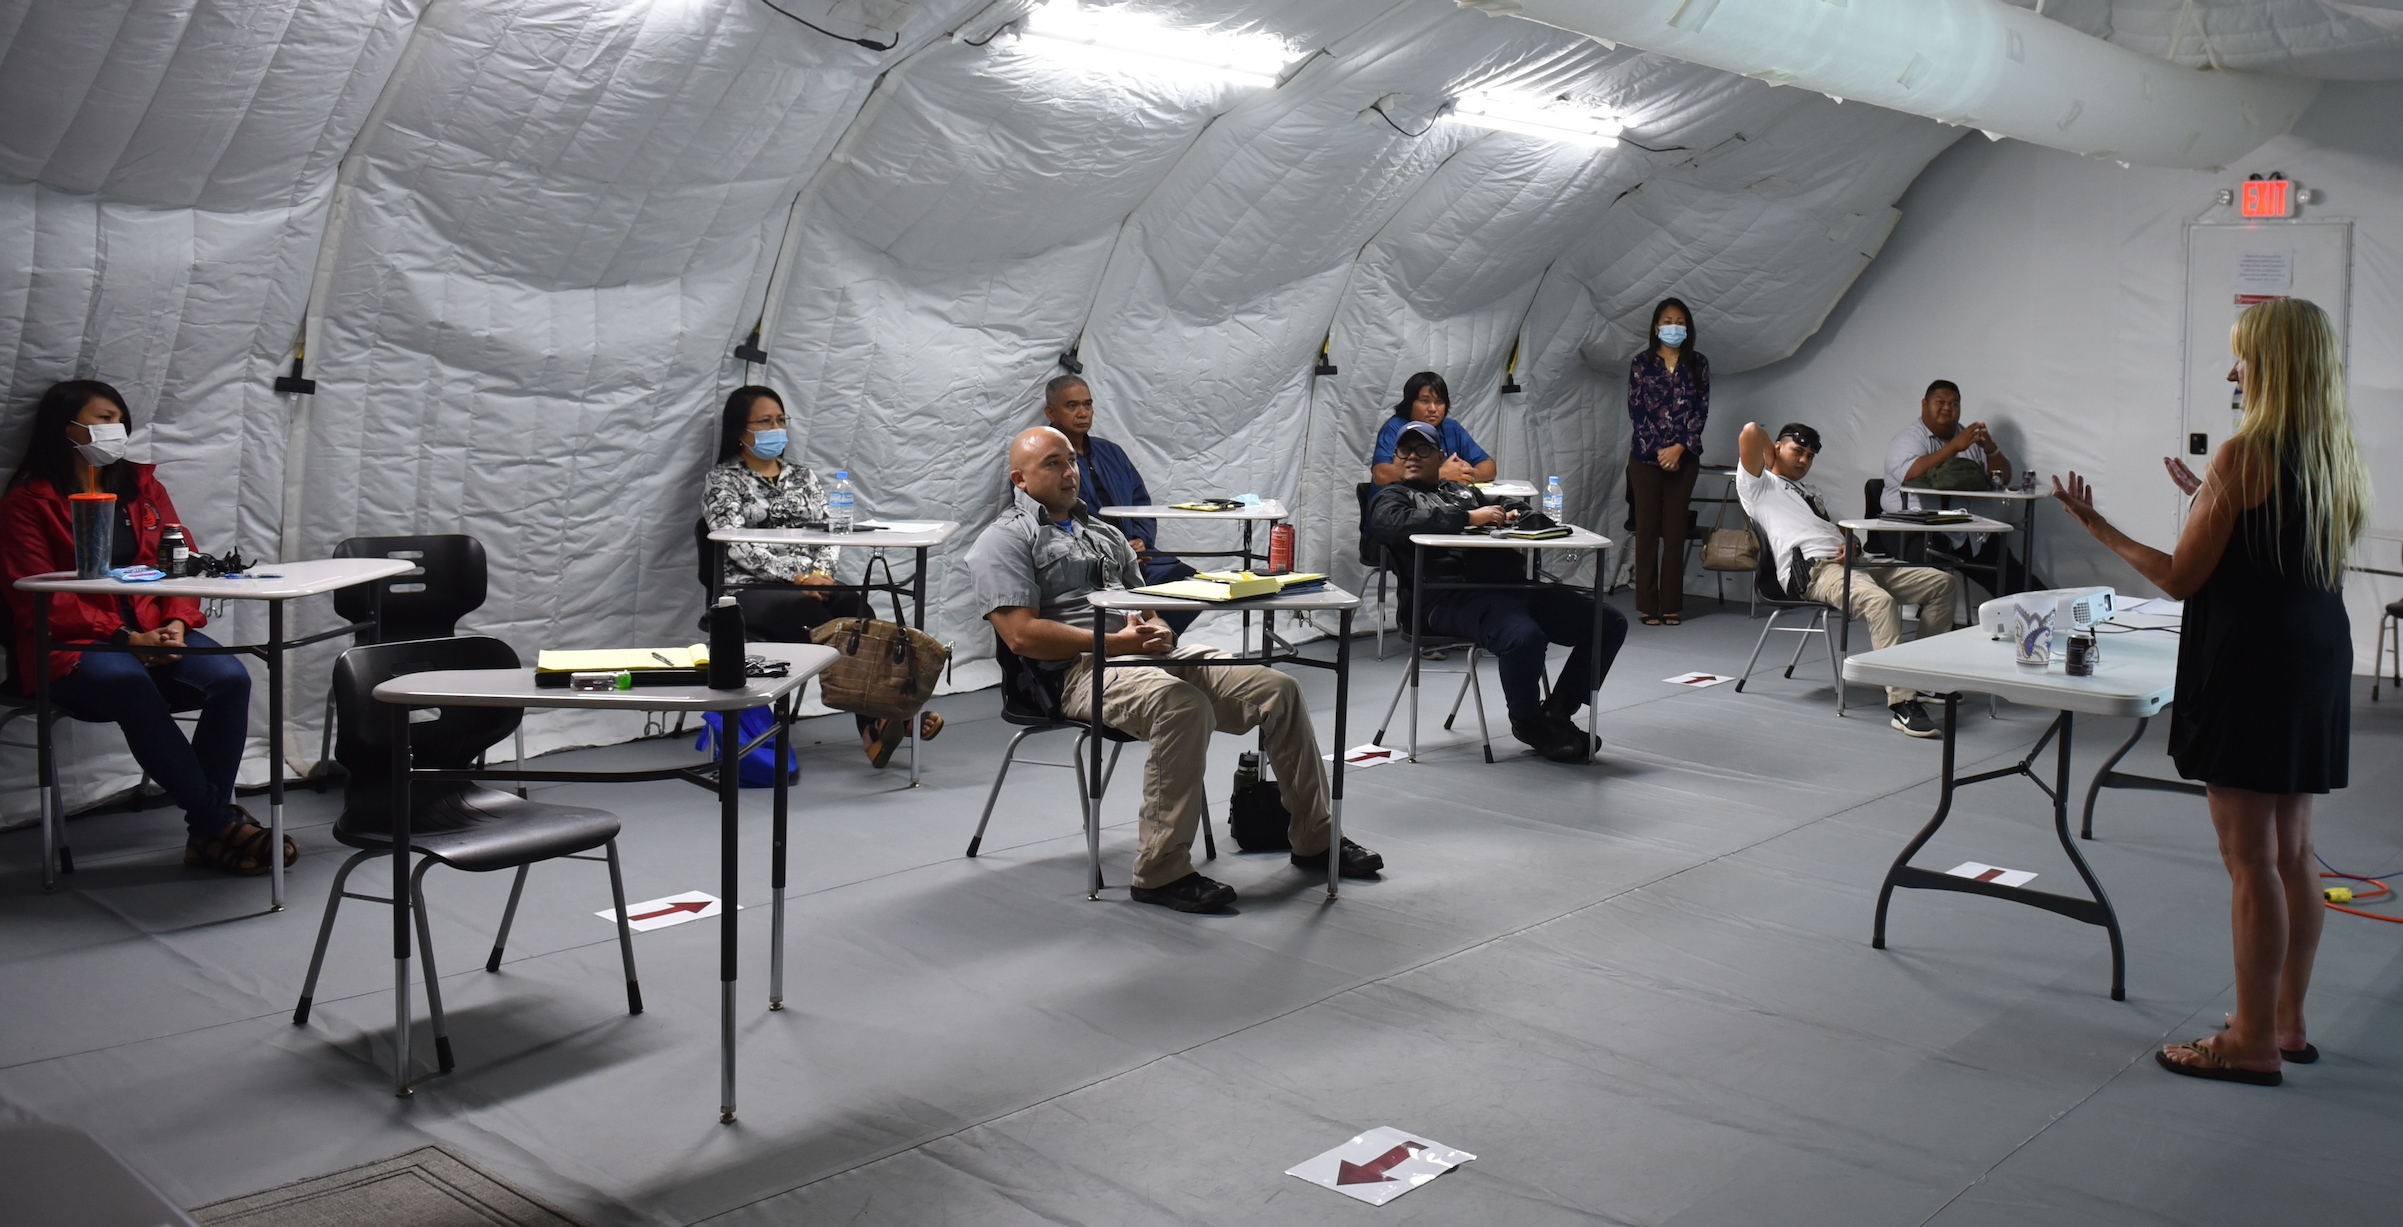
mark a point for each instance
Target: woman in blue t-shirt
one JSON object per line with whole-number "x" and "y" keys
{"x": 1426, "y": 399}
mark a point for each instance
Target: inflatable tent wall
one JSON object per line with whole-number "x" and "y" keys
{"x": 518, "y": 242}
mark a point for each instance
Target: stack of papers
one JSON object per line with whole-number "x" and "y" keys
{"x": 631, "y": 660}
{"x": 1231, "y": 585}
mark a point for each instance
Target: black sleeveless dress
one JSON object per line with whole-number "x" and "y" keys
{"x": 2265, "y": 666}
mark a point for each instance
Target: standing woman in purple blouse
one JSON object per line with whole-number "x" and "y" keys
{"x": 1668, "y": 399}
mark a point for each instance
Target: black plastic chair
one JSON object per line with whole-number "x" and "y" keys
{"x": 451, "y": 822}
{"x": 1032, "y": 703}
{"x": 1770, "y": 588}
{"x": 449, "y": 583}
{"x": 1374, "y": 556}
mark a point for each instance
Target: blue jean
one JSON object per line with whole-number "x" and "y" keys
{"x": 1515, "y": 627}
{"x": 197, "y": 774}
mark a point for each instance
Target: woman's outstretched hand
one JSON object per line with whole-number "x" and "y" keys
{"x": 2188, "y": 483}
{"x": 2078, "y": 498}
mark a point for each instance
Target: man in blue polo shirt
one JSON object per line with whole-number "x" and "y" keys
{"x": 1109, "y": 479}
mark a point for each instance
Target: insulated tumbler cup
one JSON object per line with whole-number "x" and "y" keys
{"x": 95, "y": 520}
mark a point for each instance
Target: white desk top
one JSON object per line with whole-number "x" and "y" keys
{"x": 1974, "y": 524}
{"x": 1330, "y": 597}
{"x": 900, "y": 534}
{"x": 516, "y": 688}
{"x": 1509, "y": 489}
{"x": 276, "y": 581}
{"x": 2137, "y": 676}
{"x": 2016, "y": 496}
{"x": 1265, "y": 509}
{"x": 1578, "y": 539}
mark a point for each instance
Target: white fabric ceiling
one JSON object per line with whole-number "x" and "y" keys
{"x": 530, "y": 233}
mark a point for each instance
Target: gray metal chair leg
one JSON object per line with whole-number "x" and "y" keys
{"x": 625, "y": 932}
{"x": 1802, "y": 643}
{"x": 325, "y": 931}
{"x": 1757, "y": 645}
{"x": 1468, "y": 678}
{"x": 520, "y": 764}
{"x": 1477, "y": 688}
{"x": 1386, "y": 721}
{"x": 994, "y": 794}
{"x": 425, "y": 954}
{"x": 325, "y": 741}
{"x": 517, "y": 888}
{"x": 1109, "y": 770}
{"x": 1382, "y": 573}
{"x": 1835, "y": 663}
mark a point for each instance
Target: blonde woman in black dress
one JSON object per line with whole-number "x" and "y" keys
{"x": 2265, "y": 663}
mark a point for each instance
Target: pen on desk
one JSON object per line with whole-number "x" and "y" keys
{"x": 663, "y": 660}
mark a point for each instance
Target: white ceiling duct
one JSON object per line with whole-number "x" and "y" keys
{"x": 1975, "y": 63}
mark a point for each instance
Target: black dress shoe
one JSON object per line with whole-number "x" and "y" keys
{"x": 1566, "y": 723}
{"x": 1191, "y": 893}
{"x": 1358, "y": 862}
{"x": 1549, "y": 740}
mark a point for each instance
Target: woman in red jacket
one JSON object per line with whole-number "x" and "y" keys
{"x": 78, "y": 447}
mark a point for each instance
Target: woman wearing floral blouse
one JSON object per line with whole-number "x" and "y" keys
{"x": 790, "y": 589}
{"x": 1668, "y": 399}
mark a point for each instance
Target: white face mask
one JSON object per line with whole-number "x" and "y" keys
{"x": 107, "y": 446}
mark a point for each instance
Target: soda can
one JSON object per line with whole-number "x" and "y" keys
{"x": 1280, "y": 549}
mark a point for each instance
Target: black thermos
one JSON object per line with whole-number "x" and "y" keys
{"x": 726, "y": 645}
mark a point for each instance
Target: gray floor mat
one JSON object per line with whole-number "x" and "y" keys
{"x": 1641, "y": 992}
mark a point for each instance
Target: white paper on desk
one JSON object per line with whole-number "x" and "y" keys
{"x": 1380, "y": 1165}
{"x": 1697, "y": 680}
{"x": 900, "y": 526}
{"x": 667, "y": 910}
{"x": 1988, "y": 873}
{"x": 1368, "y": 754}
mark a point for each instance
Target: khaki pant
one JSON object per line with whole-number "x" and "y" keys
{"x": 1875, "y": 596}
{"x": 1175, "y": 710}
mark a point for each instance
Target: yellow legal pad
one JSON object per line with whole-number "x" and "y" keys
{"x": 610, "y": 660}
{"x": 1228, "y": 585}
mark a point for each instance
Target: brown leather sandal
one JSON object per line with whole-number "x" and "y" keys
{"x": 239, "y": 847}
{"x": 930, "y": 725}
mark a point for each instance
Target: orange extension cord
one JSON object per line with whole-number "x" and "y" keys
{"x": 2383, "y": 892}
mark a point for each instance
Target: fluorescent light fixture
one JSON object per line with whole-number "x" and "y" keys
{"x": 1245, "y": 59}
{"x": 1530, "y": 117}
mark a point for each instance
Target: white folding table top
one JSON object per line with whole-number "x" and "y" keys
{"x": 1973, "y": 524}
{"x": 516, "y": 688}
{"x": 1578, "y": 539}
{"x": 2137, "y": 675}
{"x": 2015, "y": 496}
{"x": 1507, "y": 489}
{"x": 1265, "y": 509}
{"x": 268, "y": 581}
{"x": 897, "y": 534}
{"x": 1120, "y": 600}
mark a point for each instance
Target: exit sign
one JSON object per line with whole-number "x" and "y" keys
{"x": 2266, "y": 198}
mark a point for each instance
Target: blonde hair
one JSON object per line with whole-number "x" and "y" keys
{"x": 2296, "y": 422}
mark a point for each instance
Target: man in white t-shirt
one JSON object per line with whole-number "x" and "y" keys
{"x": 1792, "y": 519}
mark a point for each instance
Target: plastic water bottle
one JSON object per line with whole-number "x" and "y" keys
{"x": 1553, "y": 500}
{"x": 842, "y": 505}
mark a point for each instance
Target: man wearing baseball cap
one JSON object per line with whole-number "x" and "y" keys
{"x": 1515, "y": 625}
{"x": 1809, "y": 552}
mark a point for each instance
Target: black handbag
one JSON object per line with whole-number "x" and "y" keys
{"x": 1257, "y": 818}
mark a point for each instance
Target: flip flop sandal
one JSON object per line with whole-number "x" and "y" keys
{"x": 2304, "y": 1055}
{"x": 1672, "y": 619}
{"x": 930, "y": 725}
{"x": 2218, "y": 1069}
{"x": 889, "y": 736}
{"x": 1649, "y": 620}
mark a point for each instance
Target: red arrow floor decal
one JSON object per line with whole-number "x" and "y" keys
{"x": 689, "y": 905}
{"x": 1374, "y": 1172}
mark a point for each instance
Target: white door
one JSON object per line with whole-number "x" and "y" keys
{"x": 2229, "y": 267}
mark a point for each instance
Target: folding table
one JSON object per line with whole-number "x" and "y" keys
{"x": 272, "y": 582}
{"x": 517, "y": 688}
{"x": 2136, "y": 676}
